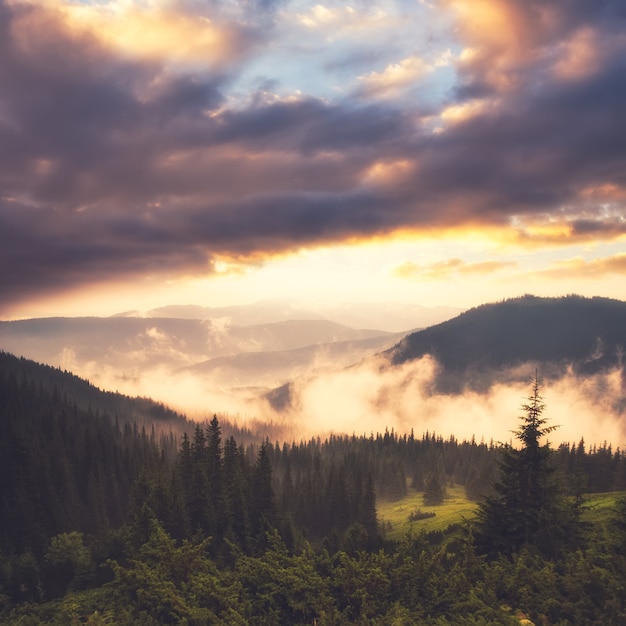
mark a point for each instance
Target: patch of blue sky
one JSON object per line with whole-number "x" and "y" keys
{"x": 324, "y": 51}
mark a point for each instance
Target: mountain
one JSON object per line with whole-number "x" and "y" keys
{"x": 387, "y": 316}
{"x": 267, "y": 368}
{"x": 129, "y": 343}
{"x": 504, "y": 342}
{"x": 264, "y": 312}
{"x": 70, "y": 453}
{"x": 214, "y": 350}
{"x": 84, "y": 396}
{"x": 552, "y": 334}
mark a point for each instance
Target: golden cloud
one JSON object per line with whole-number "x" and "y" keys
{"x": 583, "y": 268}
{"x": 443, "y": 269}
{"x": 389, "y": 172}
{"x": 153, "y": 30}
{"x": 570, "y": 231}
{"x": 501, "y": 37}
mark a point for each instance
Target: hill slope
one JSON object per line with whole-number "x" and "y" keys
{"x": 585, "y": 334}
{"x": 70, "y": 453}
{"x": 84, "y": 396}
{"x": 265, "y": 368}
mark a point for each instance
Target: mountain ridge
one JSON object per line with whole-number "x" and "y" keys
{"x": 587, "y": 334}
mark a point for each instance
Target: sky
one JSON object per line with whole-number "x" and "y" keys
{"x": 451, "y": 152}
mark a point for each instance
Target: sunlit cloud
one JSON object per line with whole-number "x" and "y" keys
{"x": 568, "y": 231}
{"x": 464, "y": 111}
{"x": 579, "y": 56}
{"x": 396, "y": 76}
{"x": 587, "y": 269}
{"x": 154, "y": 141}
{"x": 443, "y": 269}
{"x": 343, "y": 20}
{"x": 388, "y": 172}
{"x": 165, "y": 31}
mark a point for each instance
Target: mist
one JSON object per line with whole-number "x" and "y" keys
{"x": 372, "y": 396}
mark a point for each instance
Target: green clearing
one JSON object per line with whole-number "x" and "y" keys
{"x": 394, "y": 516}
{"x": 599, "y": 508}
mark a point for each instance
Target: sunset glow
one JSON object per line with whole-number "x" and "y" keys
{"x": 445, "y": 153}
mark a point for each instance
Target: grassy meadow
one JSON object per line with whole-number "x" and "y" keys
{"x": 393, "y": 517}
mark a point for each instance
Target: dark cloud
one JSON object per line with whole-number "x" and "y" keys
{"x": 312, "y": 125}
{"x": 112, "y": 166}
{"x": 598, "y": 227}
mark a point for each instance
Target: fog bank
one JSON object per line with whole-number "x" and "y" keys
{"x": 372, "y": 396}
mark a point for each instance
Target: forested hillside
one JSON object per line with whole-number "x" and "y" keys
{"x": 585, "y": 334}
{"x": 104, "y": 519}
{"x": 86, "y": 396}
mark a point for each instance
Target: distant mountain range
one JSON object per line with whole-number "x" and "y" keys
{"x": 500, "y": 342}
{"x": 247, "y": 369}
{"x": 241, "y": 355}
{"x": 386, "y": 316}
{"x": 256, "y": 345}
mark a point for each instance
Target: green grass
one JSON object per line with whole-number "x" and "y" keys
{"x": 454, "y": 508}
{"x": 600, "y": 507}
{"x": 394, "y": 516}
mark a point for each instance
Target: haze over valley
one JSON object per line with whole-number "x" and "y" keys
{"x": 236, "y": 201}
{"x": 463, "y": 376}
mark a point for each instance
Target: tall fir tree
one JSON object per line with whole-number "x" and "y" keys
{"x": 528, "y": 506}
{"x": 214, "y": 466}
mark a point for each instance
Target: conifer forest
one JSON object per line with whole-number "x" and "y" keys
{"x": 119, "y": 511}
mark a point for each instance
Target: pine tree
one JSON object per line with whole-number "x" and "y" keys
{"x": 263, "y": 500}
{"x": 529, "y": 506}
{"x": 236, "y": 493}
{"x": 434, "y": 490}
{"x": 215, "y": 478}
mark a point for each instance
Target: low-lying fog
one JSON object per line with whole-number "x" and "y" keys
{"x": 372, "y": 396}
{"x": 337, "y": 383}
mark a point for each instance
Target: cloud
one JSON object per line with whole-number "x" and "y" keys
{"x": 343, "y": 21}
{"x": 371, "y": 397}
{"x": 573, "y": 228}
{"x": 162, "y": 31}
{"x": 397, "y": 76}
{"x": 444, "y": 269}
{"x": 588, "y": 269}
{"x": 124, "y": 160}
{"x": 366, "y": 397}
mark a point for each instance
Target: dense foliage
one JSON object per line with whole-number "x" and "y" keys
{"x": 105, "y": 521}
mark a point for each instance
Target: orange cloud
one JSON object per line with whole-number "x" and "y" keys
{"x": 154, "y": 30}
{"x": 389, "y": 172}
{"x": 592, "y": 269}
{"x": 570, "y": 231}
{"x": 443, "y": 269}
{"x": 579, "y": 56}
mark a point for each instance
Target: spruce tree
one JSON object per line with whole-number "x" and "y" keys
{"x": 215, "y": 478}
{"x": 528, "y": 506}
{"x": 434, "y": 490}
